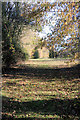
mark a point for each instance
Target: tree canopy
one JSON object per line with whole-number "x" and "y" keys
{"x": 60, "y": 18}
{"x": 62, "y": 23}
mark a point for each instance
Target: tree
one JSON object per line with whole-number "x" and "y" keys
{"x": 11, "y": 29}
{"x": 35, "y": 54}
{"x": 64, "y": 29}
{"x": 14, "y": 16}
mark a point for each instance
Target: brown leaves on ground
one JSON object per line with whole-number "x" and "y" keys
{"x": 41, "y": 92}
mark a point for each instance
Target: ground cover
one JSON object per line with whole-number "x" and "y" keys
{"x": 37, "y": 90}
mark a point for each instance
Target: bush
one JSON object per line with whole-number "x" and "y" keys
{"x": 52, "y": 54}
{"x": 35, "y": 54}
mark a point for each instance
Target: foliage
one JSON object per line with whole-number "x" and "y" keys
{"x": 15, "y": 14}
{"x": 64, "y": 27}
{"x": 12, "y": 26}
{"x": 53, "y": 54}
{"x": 35, "y": 54}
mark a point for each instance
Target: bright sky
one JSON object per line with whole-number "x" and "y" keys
{"x": 51, "y": 17}
{"x": 47, "y": 28}
{"x": 35, "y": 1}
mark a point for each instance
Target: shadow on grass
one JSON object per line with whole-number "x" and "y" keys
{"x": 42, "y": 73}
{"x": 62, "y": 108}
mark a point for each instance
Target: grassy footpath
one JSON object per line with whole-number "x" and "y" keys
{"x": 34, "y": 92}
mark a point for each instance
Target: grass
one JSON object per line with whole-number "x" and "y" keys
{"x": 48, "y": 63}
{"x": 40, "y": 92}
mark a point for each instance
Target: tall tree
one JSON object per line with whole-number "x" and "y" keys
{"x": 12, "y": 24}
{"x": 15, "y": 15}
{"x": 64, "y": 27}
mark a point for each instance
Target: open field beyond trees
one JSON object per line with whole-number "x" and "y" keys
{"x": 41, "y": 89}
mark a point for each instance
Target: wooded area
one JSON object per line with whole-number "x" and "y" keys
{"x": 40, "y": 60}
{"x": 16, "y": 15}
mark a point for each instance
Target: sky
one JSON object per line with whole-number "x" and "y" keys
{"x": 52, "y": 18}
{"x": 35, "y": 1}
